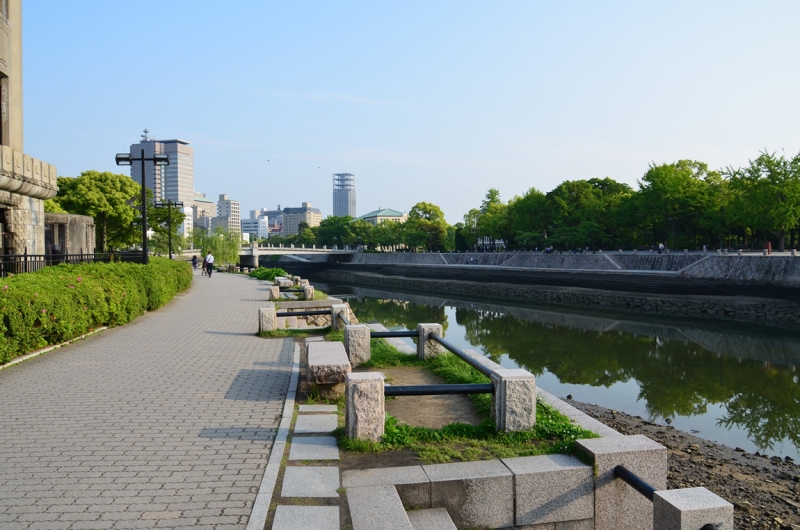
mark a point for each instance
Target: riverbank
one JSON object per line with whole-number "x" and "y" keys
{"x": 765, "y": 491}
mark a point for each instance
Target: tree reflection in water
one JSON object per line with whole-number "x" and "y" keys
{"x": 674, "y": 377}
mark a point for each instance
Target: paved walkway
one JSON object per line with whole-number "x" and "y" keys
{"x": 165, "y": 422}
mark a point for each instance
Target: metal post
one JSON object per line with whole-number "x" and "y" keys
{"x": 144, "y": 214}
{"x": 169, "y": 226}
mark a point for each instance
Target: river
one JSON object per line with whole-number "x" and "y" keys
{"x": 732, "y": 383}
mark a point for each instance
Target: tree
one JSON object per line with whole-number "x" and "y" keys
{"x": 470, "y": 230}
{"x": 529, "y": 218}
{"x": 51, "y": 206}
{"x": 107, "y": 198}
{"x": 162, "y": 222}
{"x": 769, "y": 193}
{"x": 222, "y": 244}
{"x": 492, "y": 197}
{"x": 335, "y": 231}
{"x": 426, "y": 226}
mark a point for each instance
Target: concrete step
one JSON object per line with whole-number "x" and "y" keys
{"x": 377, "y": 507}
{"x": 431, "y": 519}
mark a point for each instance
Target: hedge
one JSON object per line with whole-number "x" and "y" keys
{"x": 59, "y": 303}
{"x": 264, "y": 273}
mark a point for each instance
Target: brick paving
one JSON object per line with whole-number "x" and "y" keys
{"x": 165, "y": 422}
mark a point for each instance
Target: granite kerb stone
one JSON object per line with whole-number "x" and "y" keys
{"x": 374, "y": 507}
{"x": 327, "y": 362}
{"x": 411, "y": 482}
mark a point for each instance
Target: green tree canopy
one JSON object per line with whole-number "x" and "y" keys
{"x": 426, "y": 226}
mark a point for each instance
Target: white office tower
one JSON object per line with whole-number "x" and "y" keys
{"x": 344, "y": 194}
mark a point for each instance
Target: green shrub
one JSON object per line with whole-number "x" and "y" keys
{"x": 264, "y": 273}
{"x": 59, "y": 303}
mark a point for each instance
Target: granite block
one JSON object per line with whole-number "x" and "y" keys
{"x": 310, "y": 481}
{"x": 475, "y": 494}
{"x": 267, "y": 319}
{"x": 584, "y": 524}
{"x": 431, "y": 519}
{"x": 364, "y": 413}
{"x": 316, "y": 424}
{"x": 689, "y": 509}
{"x": 411, "y": 482}
{"x": 427, "y": 348}
{"x": 274, "y": 293}
{"x": 514, "y": 399}
{"x": 551, "y": 488}
{"x": 377, "y": 507}
{"x": 313, "y": 448}
{"x": 305, "y": 517}
{"x": 327, "y": 362}
{"x": 357, "y": 344}
{"x": 335, "y": 310}
{"x": 617, "y": 505}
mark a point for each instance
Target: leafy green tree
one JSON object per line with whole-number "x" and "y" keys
{"x": 769, "y": 194}
{"x": 492, "y": 197}
{"x": 335, "y": 231}
{"x": 107, "y": 197}
{"x": 363, "y": 233}
{"x": 51, "y": 206}
{"x": 162, "y": 222}
{"x": 223, "y": 245}
{"x": 470, "y": 230}
{"x": 426, "y": 226}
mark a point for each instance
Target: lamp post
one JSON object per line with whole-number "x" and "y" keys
{"x": 126, "y": 159}
{"x": 169, "y": 204}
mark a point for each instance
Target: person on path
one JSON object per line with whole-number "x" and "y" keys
{"x": 209, "y": 263}
{"x": 203, "y": 268}
{"x": 194, "y": 262}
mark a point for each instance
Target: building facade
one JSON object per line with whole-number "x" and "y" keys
{"x": 25, "y": 182}
{"x": 203, "y": 209}
{"x": 174, "y": 182}
{"x": 384, "y": 214}
{"x": 258, "y": 227}
{"x": 292, "y": 217}
{"x": 228, "y": 216}
{"x": 344, "y": 195}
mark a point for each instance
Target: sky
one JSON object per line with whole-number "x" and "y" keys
{"x": 422, "y": 101}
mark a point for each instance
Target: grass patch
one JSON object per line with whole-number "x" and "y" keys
{"x": 554, "y": 432}
{"x": 335, "y": 335}
{"x": 290, "y": 332}
{"x": 319, "y": 295}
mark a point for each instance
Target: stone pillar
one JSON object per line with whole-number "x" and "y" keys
{"x": 427, "y": 348}
{"x": 356, "y": 343}
{"x": 335, "y": 310}
{"x": 308, "y": 292}
{"x": 267, "y": 319}
{"x": 364, "y": 412}
{"x": 617, "y": 505}
{"x": 690, "y": 509}
{"x": 514, "y": 399}
{"x": 274, "y": 293}
{"x": 304, "y": 283}
{"x": 794, "y": 252}
{"x": 296, "y": 281}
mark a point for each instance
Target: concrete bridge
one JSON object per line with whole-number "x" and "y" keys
{"x": 248, "y": 255}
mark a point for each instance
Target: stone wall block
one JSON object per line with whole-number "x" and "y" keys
{"x": 308, "y": 292}
{"x": 690, "y": 509}
{"x": 27, "y": 166}
{"x": 7, "y": 158}
{"x": 427, "y": 348}
{"x": 357, "y": 344}
{"x": 514, "y": 399}
{"x": 364, "y": 412}
{"x": 267, "y": 319}
{"x": 617, "y": 505}
{"x": 335, "y": 310}
{"x": 551, "y": 489}
{"x": 327, "y": 362}
{"x": 274, "y": 293}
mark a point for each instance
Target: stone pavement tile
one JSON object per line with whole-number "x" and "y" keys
{"x": 313, "y": 448}
{"x": 306, "y": 517}
{"x": 146, "y": 413}
{"x": 318, "y": 408}
{"x": 317, "y": 423}
{"x": 431, "y": 519}
{"x": 310, "y": 481}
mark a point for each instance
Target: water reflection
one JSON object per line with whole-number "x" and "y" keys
{"x": 736, "y": 379}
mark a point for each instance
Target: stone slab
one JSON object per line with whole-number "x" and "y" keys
{"x": 327, "y": 362}
{"x": 305, "y": 517}
{"x": 411, "y": 483}
{"x": 310, "y": 481}
{"x": 551, "y": 488}
{"x": 315, "y": 339}
{"x": 318, "y": 408}
{"x": 377, "y": 507}
{"x": 316, "y": 424}
{"x": 691, "y": 508}
{"x": 475, "y": 494}
{"x": 431, "y": 519}
{"x": 313, "y": 448}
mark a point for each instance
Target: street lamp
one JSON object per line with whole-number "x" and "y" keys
{"x": 169, "y": 204}
{"x": 126, "y": 159}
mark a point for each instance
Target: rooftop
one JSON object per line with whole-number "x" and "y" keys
{"x": 383, "y": 212}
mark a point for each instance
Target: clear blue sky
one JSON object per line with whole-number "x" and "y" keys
{"x": 422, "y": 101}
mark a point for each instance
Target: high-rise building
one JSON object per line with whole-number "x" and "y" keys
{"x": 344, "y": 194}
{"x": 203, "y": 209}
{"x": 292, "y": 217}
{"x": 174, "y": 182}
{"x": 227, "y": 215}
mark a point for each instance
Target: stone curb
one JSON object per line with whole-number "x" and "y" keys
{"x": 258, "y": 515}
{"x": 49, "y": 349}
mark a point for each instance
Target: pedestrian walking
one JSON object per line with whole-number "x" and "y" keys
{"x": 209, "y": 263}
{"x": 203, "y": 268}
{"x": 194, "y": 262}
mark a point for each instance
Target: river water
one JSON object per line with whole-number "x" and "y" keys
{"x": 732, "y": 383}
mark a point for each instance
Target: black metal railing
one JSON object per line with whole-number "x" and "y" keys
{"x": 461, "y": 355}
{"x": 303, "y": 313}
{"x": 393, "y": 334}
{"x": 638, "y": 483}
{"x": 340, "y": 315}
{"x": 25, "y": 263}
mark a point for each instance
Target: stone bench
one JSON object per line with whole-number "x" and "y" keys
{"x": 328, "y": 367}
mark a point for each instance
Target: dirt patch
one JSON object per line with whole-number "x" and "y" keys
{"x": 765, "y": 491}
{"x": 433, "y": 412}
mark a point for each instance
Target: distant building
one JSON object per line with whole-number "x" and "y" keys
{"x": 258, "y": 227}
{"x": 292, "y": 217}
{"x": 174, "y": 182}
{"x": 384, "y": 214}
{"x": 203, "y": 209}
{"x": 227, "y": 215}
{"x": 274, "y": 216}
{"x": 344, "y": 195}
